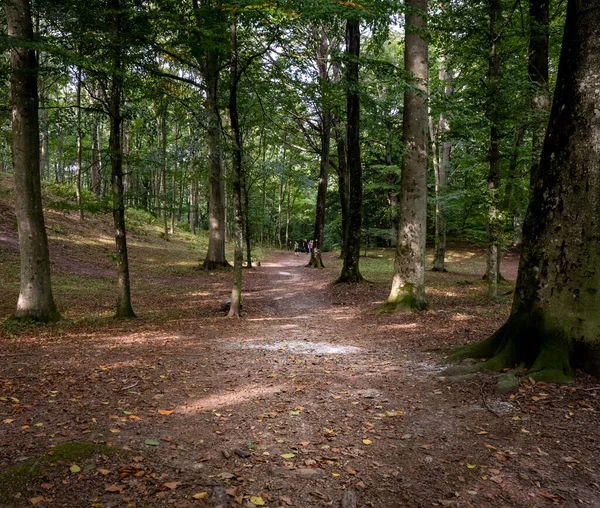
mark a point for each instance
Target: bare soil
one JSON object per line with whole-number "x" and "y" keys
{"x": 310, "y": 395}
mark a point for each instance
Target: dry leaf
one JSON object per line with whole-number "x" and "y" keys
{"x": 257, "y": 500}
{"x": 367, "y": 441}
{"x": 200, "y": 495}
{"x": 36, "y": 500}
{"x": 165, "y": 412}
{"x": 113, "y": 488}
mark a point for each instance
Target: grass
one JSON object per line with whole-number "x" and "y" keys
{"x": 17, "y": 479}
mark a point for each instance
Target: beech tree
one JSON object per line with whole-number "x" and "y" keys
{"x": 408, "y": 283}
{"x": 553, "y": 325}
{"x": 35, "y": 296}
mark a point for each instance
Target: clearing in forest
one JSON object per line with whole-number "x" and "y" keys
{"x": 311, "y": 397}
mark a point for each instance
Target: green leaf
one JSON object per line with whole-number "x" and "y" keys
{"x": 75, "y": 468}
{"x": 151, "y": 442}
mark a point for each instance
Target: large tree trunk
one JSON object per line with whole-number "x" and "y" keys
{"x": 350, "y": 270}
{"x": 238, "y": 257}
{"x": 124, "y": 308}
{"x": 494, "y": 226}
{"x": 408, "y": 283}
{"x": 95, "y": 161}
{"x": 553, "y": 325}
{"x": 44, "y": 156}
{"x": 162, "y": 142}
{"x": 35, "y": 296}
{"x": 215, "y": 256}
{"x": 343, "y": 184}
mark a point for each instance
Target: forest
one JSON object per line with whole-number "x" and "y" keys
{"x": 299, "y": 253}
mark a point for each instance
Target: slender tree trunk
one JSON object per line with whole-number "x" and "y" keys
{"x": 553, "y": 325}
{"x": 279, "y": 208}
{"x": 494, "y": 227}
{"x": 238, "y": 257}
{"x": 60, "y": 168}
{"x": 79, "y": 155}
{"x": 162, "y": 191}
{"x": 247, "y": 224}
{"x": 95, "y": 162}
{"x": 173, "y": 182}
{"x": 124, "y": 308}
{"x": 35, "y": 296}
{"x": 343, "y": 185}
{"x": 350, "y": 270}
{"x": 287, "y": 212}
{"x": 538, "y": 74}
{"x": 126, "y": 175}
{"x": 441, "y": 163}
{"x": 408, "y": 283}
{"x": 44, "y": 156}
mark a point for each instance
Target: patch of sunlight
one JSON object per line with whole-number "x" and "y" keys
{"x": 306, "y": 347}
{"x": 287, "y": 318}
{"x": 286, "y": 273}
{"x": 200, "y": 293}
{"x": 461, "y": 317}
{"x": 405, "y": 326}
{"x": 236, "y": 396}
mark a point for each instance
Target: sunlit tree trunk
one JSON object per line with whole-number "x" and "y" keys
{"x": 79, "y": 154}
{"x": 408, "y": 283}
{"x": 35, "y": 300}
{"x": 238, "y": 257}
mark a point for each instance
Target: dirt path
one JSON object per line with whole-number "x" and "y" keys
{"x": 309, "y": 396}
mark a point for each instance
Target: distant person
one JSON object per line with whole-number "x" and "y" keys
{"x": 310, "y": 246}
{"x": 296, "y": 248}
{"x": 305, "y": 246}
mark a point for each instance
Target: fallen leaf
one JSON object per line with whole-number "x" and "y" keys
{"x": 115, "y": 431}
{"x": 349, "y": 470}
{"x": 471, "y": 466}
{"x": 103, "y": 471}
{"x": 165, "y": 412}
{"x": 113, "y": 488}
{"x": 288, "y": 455}
{"x": 172, "y": 485}
{"x": 570, "y": 460}
{"x": 231, "y": 492}
{"x": 47, "y": 486}
{"x": 8, "y": 420}
{"x": 257, "y": 500}
{"x": 200, "y": 495}
{"x": 36, "y": 500}
{"x": 367, "y": 441}
{"x": 151, "y": 442}
{"x": 75, "y": 468}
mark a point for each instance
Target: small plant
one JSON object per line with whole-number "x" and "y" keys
{"x": 56, "y": 228}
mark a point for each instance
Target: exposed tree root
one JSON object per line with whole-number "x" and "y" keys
{"x": 315, "y": 262}
{"x": 406, "y": 302}
{"x": 522, "y": 342}
{"x": 214, "y": 266}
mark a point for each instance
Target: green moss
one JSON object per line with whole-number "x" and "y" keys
{"x": 405, "y": 300}
{"x": 16, "y": 479}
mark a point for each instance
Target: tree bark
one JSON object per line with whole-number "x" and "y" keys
{"x": 35, "y": 300}
{"x": 238, "y": 257}
{"x": 79, "y": 154}
{"x": 494, "y": 226}
{"x": 538, "y": 74}
{"x": 44, "y": 156}
{"x": 343, "y": 183}
{"x": 322, "y": 57}
{"x": 441, "y": 163}
{"x": 124, "y": 307}
{"x": 350, "y": 270}
{"x": 553, "y": 326}
{"x": 408, "y": 283}
{"x": 173, "y": 182}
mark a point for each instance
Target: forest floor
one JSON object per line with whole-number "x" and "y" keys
{"x": 310, "y": 398}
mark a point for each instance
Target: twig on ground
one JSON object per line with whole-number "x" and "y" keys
{"x": 130, "y": 386}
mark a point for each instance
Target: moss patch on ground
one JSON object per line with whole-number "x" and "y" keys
{"x": 16, "y": 479}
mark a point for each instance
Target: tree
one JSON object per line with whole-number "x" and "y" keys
{"x": 350, "y": 270}
{"x": 408, "y": 283}
{"x": 35, "y": 296}
{"x": 115, "y": 98}
{"x": 553, "y": 325}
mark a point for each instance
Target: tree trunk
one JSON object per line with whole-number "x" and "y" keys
{"x": 124, "y": 308}
{"x": 408, "y": 283}
{"x": 350, "y": 270}
{"x": 162, "y": 143}
{"x": 343, "y": 184}
{"x": 287, "y": 212}
{"x": 60, "y": 168}
{"x": 79, "y": 154}
{"x": 322, "y": 56}
{"x": 35, "y": 296}
{"x": 173, "y": 182}
{"x": 279, "y": 206}
{"x": 553, "y": 325}
{"x": 247, "y": 220}
{"x": 44, "y": 156}
{"x": 215, "y": 256}
{"x": 538, "y": 74}
{"x": 494, "y": 226}
{"x": 238, "y": 257}
{"x": 441, "y": 163}
{"x": 95, "y": 162}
